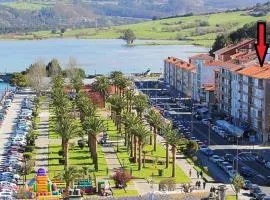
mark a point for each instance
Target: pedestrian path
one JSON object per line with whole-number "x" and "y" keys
{"x": 111, "y": 159}
{"x": 42, "y": 142}
{"x": 113, "y": 163}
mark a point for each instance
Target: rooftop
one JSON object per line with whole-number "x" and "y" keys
{"x": 256, "y": 71}
{"x": 234, "y": 46}
{"x": 203, "y": 56}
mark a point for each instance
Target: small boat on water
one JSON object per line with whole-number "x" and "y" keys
{"x": 1, "y": 80}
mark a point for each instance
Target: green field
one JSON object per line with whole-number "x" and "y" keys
{"x": 25, "y": 6}
{"x": 199, "y": 30}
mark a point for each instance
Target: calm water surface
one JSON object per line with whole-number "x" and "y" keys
{"x": 95, "y": 56}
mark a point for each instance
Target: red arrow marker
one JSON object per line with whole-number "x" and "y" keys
{"x": 261, "y": 46}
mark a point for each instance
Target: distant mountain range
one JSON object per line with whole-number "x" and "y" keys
{"x": 32, "y": 15}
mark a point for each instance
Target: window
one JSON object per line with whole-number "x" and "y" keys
{"x": 260, "y": 83}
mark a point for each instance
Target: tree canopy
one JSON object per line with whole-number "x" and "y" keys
{"x": 129, "y": 36}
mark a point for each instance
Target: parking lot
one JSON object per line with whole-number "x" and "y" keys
{"x": 251, "y": 160}
{"x": 15, "y": 124}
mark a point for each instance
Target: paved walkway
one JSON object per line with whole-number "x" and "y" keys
{"x": 42, "y": 142}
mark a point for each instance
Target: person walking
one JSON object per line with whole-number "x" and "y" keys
{"x": 204, "y": 185}
{"x": 198, "y": 174}
{"x": 199, "y": 184}
{"x": 190, "y": 173}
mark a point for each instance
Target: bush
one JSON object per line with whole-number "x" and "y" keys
{"x": 81, "y": 143}
{"x": 28, "y": 156}
{"x": 167, "y": 184}
{"x": 61, "y": 161}
{"x": 204, "y": 23}
{"x": 29, "y": 148}
{"x": 121, "y": 178}
{"x": 160, "y": 172}
{"x": 61, "y": 153}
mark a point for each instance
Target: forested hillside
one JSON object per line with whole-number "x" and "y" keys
{"x": 24, "y": 16}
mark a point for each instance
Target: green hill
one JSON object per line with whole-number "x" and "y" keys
{"x": 200, "y": 30}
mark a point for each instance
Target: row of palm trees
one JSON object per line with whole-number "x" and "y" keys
{"x": 130, "y": 112}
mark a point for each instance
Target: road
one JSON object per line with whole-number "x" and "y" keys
{"x": 222, "y": 146}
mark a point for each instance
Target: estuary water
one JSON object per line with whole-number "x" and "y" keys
{"x": 93, "y": 55}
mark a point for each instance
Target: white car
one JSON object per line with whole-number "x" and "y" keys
{"x": 221, "y": 133}
{"x": 216, "y": 159}
{"x": 205, "y": 121}
{"x": 267, "y": 164}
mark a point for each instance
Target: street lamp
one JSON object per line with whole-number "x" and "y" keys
{"x": 237, "y": 152}
{"x": 209, "y": 133}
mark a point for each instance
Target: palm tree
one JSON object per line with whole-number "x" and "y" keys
{"x": 102, "y": 84}
{"x": 129, "y": 94}
{"x": 68, "y": 128}
{"x": 172, "y": 138}
{"x": 85, "y": 106}
{"x": 115, "y": 77}
{"x": 117, "y": 106}
{"x": 154, "y": 119}
{"x": 77, "y": 81}
{"x": 238, "y": 183}
{"x": 140, "y": 104}
{"x": 85, "y": 171}
{"x": 69, "y": 175}
{"x": 192, "y": 147}
{"x": 166, "y": 130}
{"x": 122, "y": 83}
{"x": 93, "y": 126}
{"x": 129, "y": 120}
{"x": 141, "y": 133}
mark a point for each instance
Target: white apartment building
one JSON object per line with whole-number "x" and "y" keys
{"x": 245, "y": 96}
{"x": 179, "y": 74}
{"x": 205, "y": 74}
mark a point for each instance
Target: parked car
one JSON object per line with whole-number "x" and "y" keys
{"x": 254, "y": 189}
{"x": 260, "y": 160}
{"x": 260, "y": 195}
{"x": 221, "y": 133}
{"x": 247, "y": 185}
{"x": 267, "y": 165}
{"x": 223, "y": 165}
{"x": 246, "y": 172}
{"x": 229, "y": 157}
{"x": 205, "y": 121}
{"x": 216, "y": 159}
{"x": 266, "y": 197}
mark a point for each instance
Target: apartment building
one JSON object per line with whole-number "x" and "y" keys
{"x": 179, "y": 74}
{"x": 232, "y": 80}
{"x": 205, "y": 74}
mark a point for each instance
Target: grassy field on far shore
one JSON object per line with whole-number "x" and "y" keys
{"x": 198, "y": 30}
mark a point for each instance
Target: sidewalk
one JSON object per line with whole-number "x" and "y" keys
{"x": 42, "y": 142}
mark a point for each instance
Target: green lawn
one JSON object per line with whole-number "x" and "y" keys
{"x": 24, "y": 5}
{"x": 78, "y": 158}
{"x": 150, "y": 168}
{"x": 232, "y": 197}
{"x": 123, "y": 193}
{"x": 189, "y": 29}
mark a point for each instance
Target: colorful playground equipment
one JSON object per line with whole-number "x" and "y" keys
{"x": 42, "y": 186}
